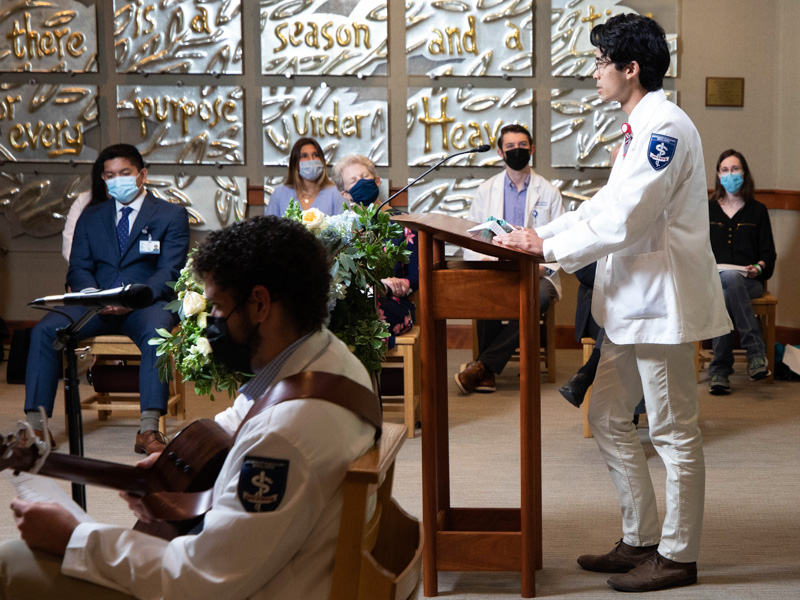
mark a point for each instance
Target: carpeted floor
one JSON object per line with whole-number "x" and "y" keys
{"x": 751, "y": 538}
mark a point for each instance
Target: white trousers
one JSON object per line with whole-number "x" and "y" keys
{"x": 665, "y": 375}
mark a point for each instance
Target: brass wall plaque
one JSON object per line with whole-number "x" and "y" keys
{"x": 725, "y": 91}
{"x": 441, "y": 121}
{"x": 469, "y": 37}
{"x": 189, "y": 124}
{"x": 571, "y": 51}
{"x": 346, "y": 120}
{"x": 48, "y": 122}
{"x": 48, "y": 36}
{"x": 319, "y": 37}
{"x": 178, "y": 36}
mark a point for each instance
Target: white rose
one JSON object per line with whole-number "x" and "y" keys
{"x": 193, "y": 303}
{"x": 202, "y": 346}
{"x": 314, "y": 219}
{"x": 202, "y": 320}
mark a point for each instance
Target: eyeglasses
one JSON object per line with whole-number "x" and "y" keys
{"x": 602, "y": 63}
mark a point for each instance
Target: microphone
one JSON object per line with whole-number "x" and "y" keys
{"x": 481, "y": 148}
{"x": 134, "y": 296}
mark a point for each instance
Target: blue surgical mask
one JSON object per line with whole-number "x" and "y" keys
{"x": 364, "y": 192}
{"x": 123, "y": 189}
{"x": 310, "y": 170}
{"x": 732, "y": 182}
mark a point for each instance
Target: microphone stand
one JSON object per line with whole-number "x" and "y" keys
{"x": 436, "y": 166}
{"x": 67, "y": 340}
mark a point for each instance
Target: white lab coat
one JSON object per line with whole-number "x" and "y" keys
{"x": 285, "y": 554}
{"x": 542, "y": 205}
{"x": 659, "y": 282}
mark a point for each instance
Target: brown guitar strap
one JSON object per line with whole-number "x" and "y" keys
{"x": 174, "y": 506}
{"x": 323, "y": 386}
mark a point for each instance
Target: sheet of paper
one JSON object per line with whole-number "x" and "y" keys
{"x": 36, "y": 488}
{"x": 738, "y": 268}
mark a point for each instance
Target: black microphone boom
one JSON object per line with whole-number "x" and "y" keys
{"x": 134, "y": 296}
{"x": 481, "y": 148}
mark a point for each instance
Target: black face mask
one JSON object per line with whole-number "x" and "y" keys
{"x": 517, "y": 158}
{"x": 234, "y": 356}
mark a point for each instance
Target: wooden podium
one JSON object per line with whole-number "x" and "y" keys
{"x": 476, "y": 539}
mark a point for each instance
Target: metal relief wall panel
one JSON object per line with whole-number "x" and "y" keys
{"x": 323, "y": 37}
{"x": 584, "y": 130}
{"x": 37, "y": 204}
{"x": 571, "y": 52}
{"x": 469, "y": 37}
{"x": 183, "y": 124}
{"x": 344, "y": 120}
{"x": 178, "y": 36}
{"x": 212, "y": 202}
{"x": 48, "y": 36}
{"x": 440, "y": 121}
{"x": 575, "y": 191}
{"x": 48, "y": 122}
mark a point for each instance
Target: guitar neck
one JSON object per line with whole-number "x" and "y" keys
{"x": 90, "y": 471}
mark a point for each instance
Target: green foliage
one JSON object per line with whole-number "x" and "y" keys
{"x": 187, "y": 347}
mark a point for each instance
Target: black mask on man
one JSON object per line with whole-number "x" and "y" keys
{"x": 234, "y": 356}
{"x": 517, "y": 158}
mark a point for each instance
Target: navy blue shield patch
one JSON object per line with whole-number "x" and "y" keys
{"x": 661, "y": 150}
{"x": 262, "y": 483}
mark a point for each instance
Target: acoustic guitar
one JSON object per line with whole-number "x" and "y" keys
{"x": 190, "y": 463}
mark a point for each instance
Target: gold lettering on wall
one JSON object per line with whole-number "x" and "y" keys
{"x": 309, "y": 33}
{"x": 180, "y": 110}
{"x": 59, "y": 138}
{"x": 319, "y": 125}
{"x": 513, "y": 39}
{"x": 476, "y": 133}
{"x": 28, "y": 43}
{"x": 452, "y": 42}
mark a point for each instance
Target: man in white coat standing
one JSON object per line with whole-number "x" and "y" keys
{"x": 656, "y": 292}
{"x": 521, "y": 197}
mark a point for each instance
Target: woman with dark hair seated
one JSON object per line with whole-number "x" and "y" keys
{"x": 741, "y": 238}
{"x": 307, "y": 182}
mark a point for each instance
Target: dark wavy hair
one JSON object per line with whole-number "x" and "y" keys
{"x": 627, "y": 38}
{"x": 746, "y": 192}
{"x": 293, "y": 175}
{"x": 126, "y": 151}
{"x": 277, "y": 253}
{"x": 513, "y": 128}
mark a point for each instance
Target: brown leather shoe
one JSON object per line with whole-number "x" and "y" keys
{"x": 150, "y": 441}
{"x": 471, "y": 374}
{"x": 658, "y": 573}
{"x": 621, "y": 559}
{"x": 486, "y": 385}
{"x": 23, "y": 438}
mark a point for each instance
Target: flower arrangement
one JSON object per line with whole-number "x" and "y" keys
{"x": 187, "y": 346}
{"x": 360, "y": 242}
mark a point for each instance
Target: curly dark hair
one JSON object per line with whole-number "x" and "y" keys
{"x": 126, "y": 151}
{"x": 747, "y": 190}
{"x": 627, "y": 38}
{"x": 277, "y": 253}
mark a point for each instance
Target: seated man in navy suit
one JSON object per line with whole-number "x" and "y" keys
{"x": 131, "y": 238}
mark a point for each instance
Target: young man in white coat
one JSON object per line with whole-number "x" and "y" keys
{"x": 521, "y": 197}
{"x": 656, "y": 292}
{"x": 271, "y": 531}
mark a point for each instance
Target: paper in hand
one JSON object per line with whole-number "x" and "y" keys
{"x": 36, "y": 488}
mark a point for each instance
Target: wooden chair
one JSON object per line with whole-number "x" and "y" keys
{"x": 588, "y": 345}
{"x": 109, "y": 349}
{"x": 405, "y": 355}
{"x": 548, "y": 351}
{"x": 764, "y": 309}
{"x": 378, "y": 556}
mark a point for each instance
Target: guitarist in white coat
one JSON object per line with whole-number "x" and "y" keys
{"x": 656, "y": 292}
{"x": 271, "y": 531}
